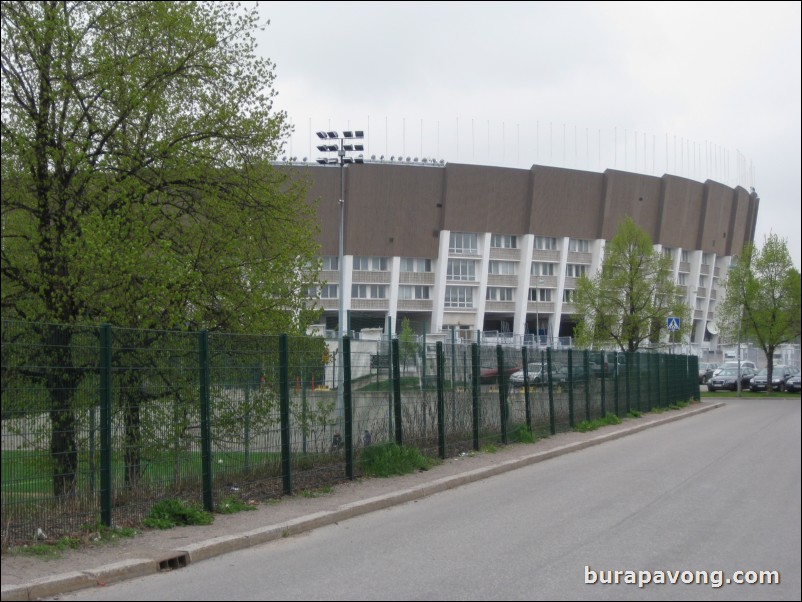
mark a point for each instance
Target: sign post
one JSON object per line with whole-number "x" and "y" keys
{"x": 673, "y": 324}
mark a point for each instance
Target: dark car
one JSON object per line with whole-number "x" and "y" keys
{"x": 727, "y": 380}
{"x": 794, "y": 384}
{"x": 706, "y": 372}
{"x": 779, "y": 375}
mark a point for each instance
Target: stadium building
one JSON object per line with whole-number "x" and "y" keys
{"x": 499, "y": 250}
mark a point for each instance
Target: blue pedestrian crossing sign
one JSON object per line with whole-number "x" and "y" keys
{"x": 673, "y": 323}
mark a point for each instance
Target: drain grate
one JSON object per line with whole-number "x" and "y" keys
{"x": 176, "y": 562}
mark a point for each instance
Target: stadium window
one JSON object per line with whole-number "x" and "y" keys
{"x": 504, "y": 241}
{"x": 573, "y": 270}
{"x": 412, "y": 264}
{"x": 542, "y": 269}
{"x": 540, "y": 294}
{"x": 462, "y": 242}
{"x": 579, "y": 245}
{"x": 461, "y": 269}
{"x": 497, "y": 293}
{"x": 545, "y": 243}
{"x": 504, "y": 268}
{"x": 459, "y": 297}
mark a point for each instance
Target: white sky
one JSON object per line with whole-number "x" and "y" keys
{"x": 698, "y": 89}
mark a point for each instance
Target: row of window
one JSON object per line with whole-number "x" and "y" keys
{"x": 460, "y": 269}
{"x": 379, "y": 264}
{"x": 456, "y": 296}
{"x": 371, "y": 291}
{"x": 468, "y": 243}
{"x": 379, "y": 291}
{"x": 685, "y": 255}
{"x": 462, "y": 296}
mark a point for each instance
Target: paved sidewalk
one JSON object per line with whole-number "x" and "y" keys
{"x": 28, "y": 578}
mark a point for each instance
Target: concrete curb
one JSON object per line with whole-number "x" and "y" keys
{"x": 131, "y": 569}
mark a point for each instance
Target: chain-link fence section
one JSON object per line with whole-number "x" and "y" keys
{"x": 100, "y": 423}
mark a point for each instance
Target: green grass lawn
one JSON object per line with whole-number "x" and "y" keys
{"x": 28, "y": 474}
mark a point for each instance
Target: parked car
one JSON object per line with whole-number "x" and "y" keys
{"x": 794, "y": 372}
{"x": 727, "y": 379}
{"x": 578, "y": 374}
{"x": 489, "y": 376}
{"x": 615, "y": 363}
{"x": 744, "y": 364}
{"x": 517, "y": 378}
{"x": 794, "y": 384}
{"x": 706, "y": 372}
{"x": 779, "y": 375}
{"x": 537, "y": 377}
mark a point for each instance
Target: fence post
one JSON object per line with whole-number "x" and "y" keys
{"x": 423, "y": 364}
{"x": 399, "y": 435}
{"x": 348, "y": 408}
{"x": 571, "y": 388}
{"x": 105, "y": 425}
{"x": 588, "y": 380}
{"x": 205, "y": 416}
{"x": 616, "y": 381}
{"x": 502, "y": 392}
{"x": 628, "y": 358}
{"x": 603, "y": 365}
{"x": 693, "y": 382}
{"x": 552, "y": 418}
{"x": 441, "y": 405}
{"x": 475, "y": 387}
{"x": 527, "y": 404}
{"x": 659, "y": 362}
{"x": 284, "y": 412}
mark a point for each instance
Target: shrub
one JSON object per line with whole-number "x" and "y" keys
{"x": 171, "y": 513}
{"x": 391, "y": 459}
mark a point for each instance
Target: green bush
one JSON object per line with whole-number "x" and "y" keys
{"x": 172, "y": 513}
{"x": 585, "y": 426}
{"x": 391, "y": 459}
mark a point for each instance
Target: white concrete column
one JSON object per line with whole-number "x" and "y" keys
{"x": 522, "y": 292}
{"x": 554, "y": 320}
{"x": 440, "y": 266}
{"x": 483, "y": 267}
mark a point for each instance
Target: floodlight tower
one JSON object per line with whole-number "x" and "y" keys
{"x": 332, "y": 142}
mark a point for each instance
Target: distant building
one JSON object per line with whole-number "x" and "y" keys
{"x": 494, "y": 249}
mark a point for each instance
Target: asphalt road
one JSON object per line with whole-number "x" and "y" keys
{"x": 715, "y": 497}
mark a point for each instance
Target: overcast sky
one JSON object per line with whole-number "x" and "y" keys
{"x": 698, "y": 89}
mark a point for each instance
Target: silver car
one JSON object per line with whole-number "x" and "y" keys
{"x": 535, "y": 377}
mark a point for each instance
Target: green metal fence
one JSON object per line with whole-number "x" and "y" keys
{"x": 99, "y": 423}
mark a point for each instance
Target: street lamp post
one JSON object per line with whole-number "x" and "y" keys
{"x": 740, "y": 319}
{"x": 331, "y": 141}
